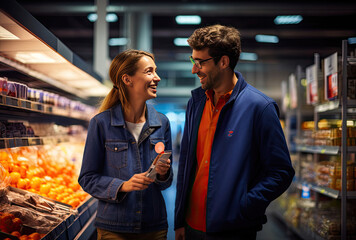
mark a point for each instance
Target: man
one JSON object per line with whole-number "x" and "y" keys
{"x": 234, "y": 159}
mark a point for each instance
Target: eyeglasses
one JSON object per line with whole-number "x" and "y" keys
{"x": 198, "y": 63}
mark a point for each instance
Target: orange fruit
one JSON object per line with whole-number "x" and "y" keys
{"x": 22, "y": 170}
{"x": 74, "y": 202}
{"x": 44, "y": 188}
{"x": 35, "y": 236}
{"x": 16, "y": 233}
{"x": 15, "y": 177}
{"x": 15, "y": 168}
{"x": 22, "y": 183}
{"x": 36, "y": 183}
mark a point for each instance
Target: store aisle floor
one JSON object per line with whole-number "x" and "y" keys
{"x": 272, "y": 230}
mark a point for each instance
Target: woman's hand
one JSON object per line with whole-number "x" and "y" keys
{"x": 137, "y": 182}
{"x": 162, "y": 169}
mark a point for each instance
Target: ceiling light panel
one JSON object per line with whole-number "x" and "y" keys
{"x": 118, "y": 42}
{"x": 36, "y": 57}
{"x": 288, "y": 19}
{"x": 110, "y": 17}
{"x": 266, "y": 38}
{"x": 352, "y": 40}
{"x": 181, "y": 42}
{"x": 188, "y": 19}
{"x": 7, "y": 35}
{"x": 248, "y": 56}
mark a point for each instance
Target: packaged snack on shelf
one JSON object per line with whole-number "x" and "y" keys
{"x": 11, "y": 89}
{"x": 323, "y": 176}
{"x": 350, "y": 184}
{"x": 3, "y": 85}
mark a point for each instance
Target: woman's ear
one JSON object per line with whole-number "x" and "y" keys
{"x": 127, "y": 80}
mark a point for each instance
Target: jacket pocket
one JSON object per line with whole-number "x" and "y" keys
{"x": 117, "y": 153}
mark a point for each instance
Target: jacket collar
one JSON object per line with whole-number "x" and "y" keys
{"x": 152, "y": 117}
{"x": 199, "y": 93}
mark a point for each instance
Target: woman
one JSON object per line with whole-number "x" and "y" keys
{"x": 119, "y": 150}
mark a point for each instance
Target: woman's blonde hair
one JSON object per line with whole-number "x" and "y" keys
{"x": 123, "y": 63}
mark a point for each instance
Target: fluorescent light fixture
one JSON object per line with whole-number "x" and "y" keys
{"x": 188, "y": 19}
{"x": 352, "y": 40}
{"x": 7, "y": 35}
{"x": 248, "y": 56}
{"x": 98, "y": 91}
{"x": 118, "y": 41}
{"x": 110, "y": 17}
{"x": 35, "y": 57}
{"x": 288, "y": 19}
{"x": 82, "y": 84}
{"x": 267, "y": 38}
{"x": 181, "y": 42}
{"x": 68, "y": 75}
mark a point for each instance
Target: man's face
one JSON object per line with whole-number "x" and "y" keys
{"x": 209, "y": 72}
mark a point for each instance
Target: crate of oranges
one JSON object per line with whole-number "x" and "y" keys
{"x": 44, "y": 170}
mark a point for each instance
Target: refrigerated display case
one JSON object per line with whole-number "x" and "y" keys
{"x": 45, "y": 92}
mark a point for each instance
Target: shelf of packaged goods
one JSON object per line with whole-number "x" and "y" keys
{"x": 329, "y": 106}
{"x": 351, "y": 60}
{"x": 25, "y": 108}
{"x": 334, "y": 106}
{"x": 332, "y": 150}
{"x": 335, "y": 194}
{"x": 276, "y": 212}
{"x": 32, "y": 141}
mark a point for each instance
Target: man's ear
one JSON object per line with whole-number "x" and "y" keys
{"x": 224, "y": 62}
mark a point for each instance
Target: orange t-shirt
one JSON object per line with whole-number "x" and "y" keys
{"x": 196, "y": 214}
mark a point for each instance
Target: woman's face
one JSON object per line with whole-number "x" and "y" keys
{"x": 143, "y": 85}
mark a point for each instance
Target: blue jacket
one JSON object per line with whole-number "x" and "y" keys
{"x": 249, "y": 166}
{"x": 112, "y": 156}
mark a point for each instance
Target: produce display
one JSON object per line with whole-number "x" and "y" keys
{"x": 45, "y": 170}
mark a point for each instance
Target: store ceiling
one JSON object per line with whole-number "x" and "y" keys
{"x": 325, "y": 24}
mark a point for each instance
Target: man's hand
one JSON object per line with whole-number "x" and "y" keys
{"x": 180, "y": 233}
{"x": 137, "y": 182}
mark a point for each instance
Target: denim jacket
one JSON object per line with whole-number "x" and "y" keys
{"x": 112, "y": 156}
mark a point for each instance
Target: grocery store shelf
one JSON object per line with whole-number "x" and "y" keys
{"x": 24, "y": 108}
{"x": 279, "y": 216}
{"x": 332, "y": 150}
{"x": 329, "y": 106}
{"x": 55, "y": 63}
{"x": 335, "y": 106}
{"x": 301, "y": 233}
{"x": 32, "y": 141}
{"x": 335, "y": 194}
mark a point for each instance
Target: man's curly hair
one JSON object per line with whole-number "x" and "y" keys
{"x": 220, "y": 40}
